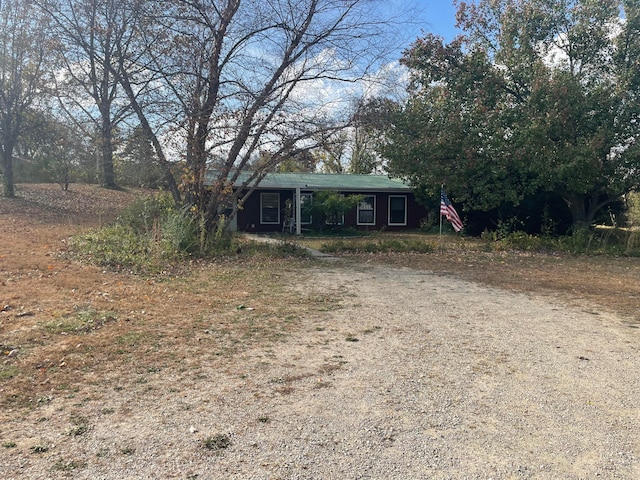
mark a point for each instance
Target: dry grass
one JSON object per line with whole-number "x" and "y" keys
{"x": 76, "y": 329}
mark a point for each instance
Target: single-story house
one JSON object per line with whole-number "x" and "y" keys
{"x": 277, "y": 201}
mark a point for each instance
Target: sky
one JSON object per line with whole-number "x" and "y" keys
{"x": 434, "y": 16}
{"x": 440, "y": 17}
{"x": 428, "y": 16}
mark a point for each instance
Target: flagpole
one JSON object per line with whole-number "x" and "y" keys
{"x": 440, "y": 237}
{"x": 440, "y": 210}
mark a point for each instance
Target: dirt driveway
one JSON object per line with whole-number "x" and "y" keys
{"x": 397, "y": 374}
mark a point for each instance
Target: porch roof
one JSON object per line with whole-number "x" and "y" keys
{"x": 324, "y": 181}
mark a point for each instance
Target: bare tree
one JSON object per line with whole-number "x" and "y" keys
{"x": 88, "y": 32}
{"x": 22, "y": 55}
{"x": 244, "y": 77}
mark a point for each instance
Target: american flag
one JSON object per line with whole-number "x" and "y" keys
{"x": 448, "y": 211}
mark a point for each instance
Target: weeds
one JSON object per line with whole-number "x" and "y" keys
{"x": 8, "y": 371}
{"x": 598, "y": 241}
{"x": 372, "y": 330}
{"x": 39, "y": 449}
{"x": 68, "y": 466}
{"x": 279, "y": 250}
{"x": 130, "y": 339}
{"x": 80, "y": 427}
{"x": 379, "y": 245}
{"x": 83, "y": 321}
{"x": 152, "y": 236}
{"x": 604, "y": 241}
{"x": 219, "y": 441}
{"x": 148, "y": 235}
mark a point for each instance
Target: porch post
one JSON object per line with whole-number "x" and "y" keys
{"x": 298, "y": 212}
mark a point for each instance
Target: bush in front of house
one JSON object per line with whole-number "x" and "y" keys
{"x": 147, "y": 236}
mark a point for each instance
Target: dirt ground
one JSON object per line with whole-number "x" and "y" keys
{"x": 260, "y": 369}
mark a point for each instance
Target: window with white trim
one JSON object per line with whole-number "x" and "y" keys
{"x": 367, "y": 211}
{"x": 269, "y": 208}
{"x": 397, "y": 209}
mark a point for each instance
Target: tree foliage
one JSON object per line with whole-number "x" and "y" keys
{"x": 369, "y": 118}
{"x": 328, "y": 207}
{"x": 536, "y": 96}
{"x": 136, "y": 164}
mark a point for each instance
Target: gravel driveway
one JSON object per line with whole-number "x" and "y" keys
{"x": 415, "y": 376}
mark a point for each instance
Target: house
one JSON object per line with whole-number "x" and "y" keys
{"x": 277, "y": 201}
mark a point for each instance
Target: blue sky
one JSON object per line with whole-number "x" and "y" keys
{"x": 440, "y": 16}
{"x": 435, "y": 16}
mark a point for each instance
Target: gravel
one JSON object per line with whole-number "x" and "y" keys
{"x": 415, "y": 376}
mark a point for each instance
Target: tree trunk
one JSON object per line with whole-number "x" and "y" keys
{"x": 9, "y": 191}
{"x": 583, "y": 208}
{"x": 108, "y": 174}
{"x": 124, "y": 81}
{"x": 193, "y": 180}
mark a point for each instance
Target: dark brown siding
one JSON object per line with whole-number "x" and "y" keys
{"x": 249, "y": 216}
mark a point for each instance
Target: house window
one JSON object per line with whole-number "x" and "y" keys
{"x": 367, "y": 211}
{"x": 305, "y": 203}
{"x": 270, "y": 208}
{"x": 397, "y": 209}
{"x": 335, "y": 217}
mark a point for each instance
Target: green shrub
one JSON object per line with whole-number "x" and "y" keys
{"x": 152, "y": 234}
{"x": 147, "y": 213}
{"x": 587, "y": 241}
{"x": 117, "y": 246}
{"x": 328, "y": 207}
{"x": 179, "y": 232}
{"x": 594, "y": 242}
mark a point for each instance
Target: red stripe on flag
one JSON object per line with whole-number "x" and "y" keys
{"x": 448, "y": 211}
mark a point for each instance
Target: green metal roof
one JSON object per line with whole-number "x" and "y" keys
{"x": 324, "y": 181}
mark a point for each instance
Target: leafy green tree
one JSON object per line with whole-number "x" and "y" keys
{"x": 535, "y": 96}
{"x": 328, "y": 208}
